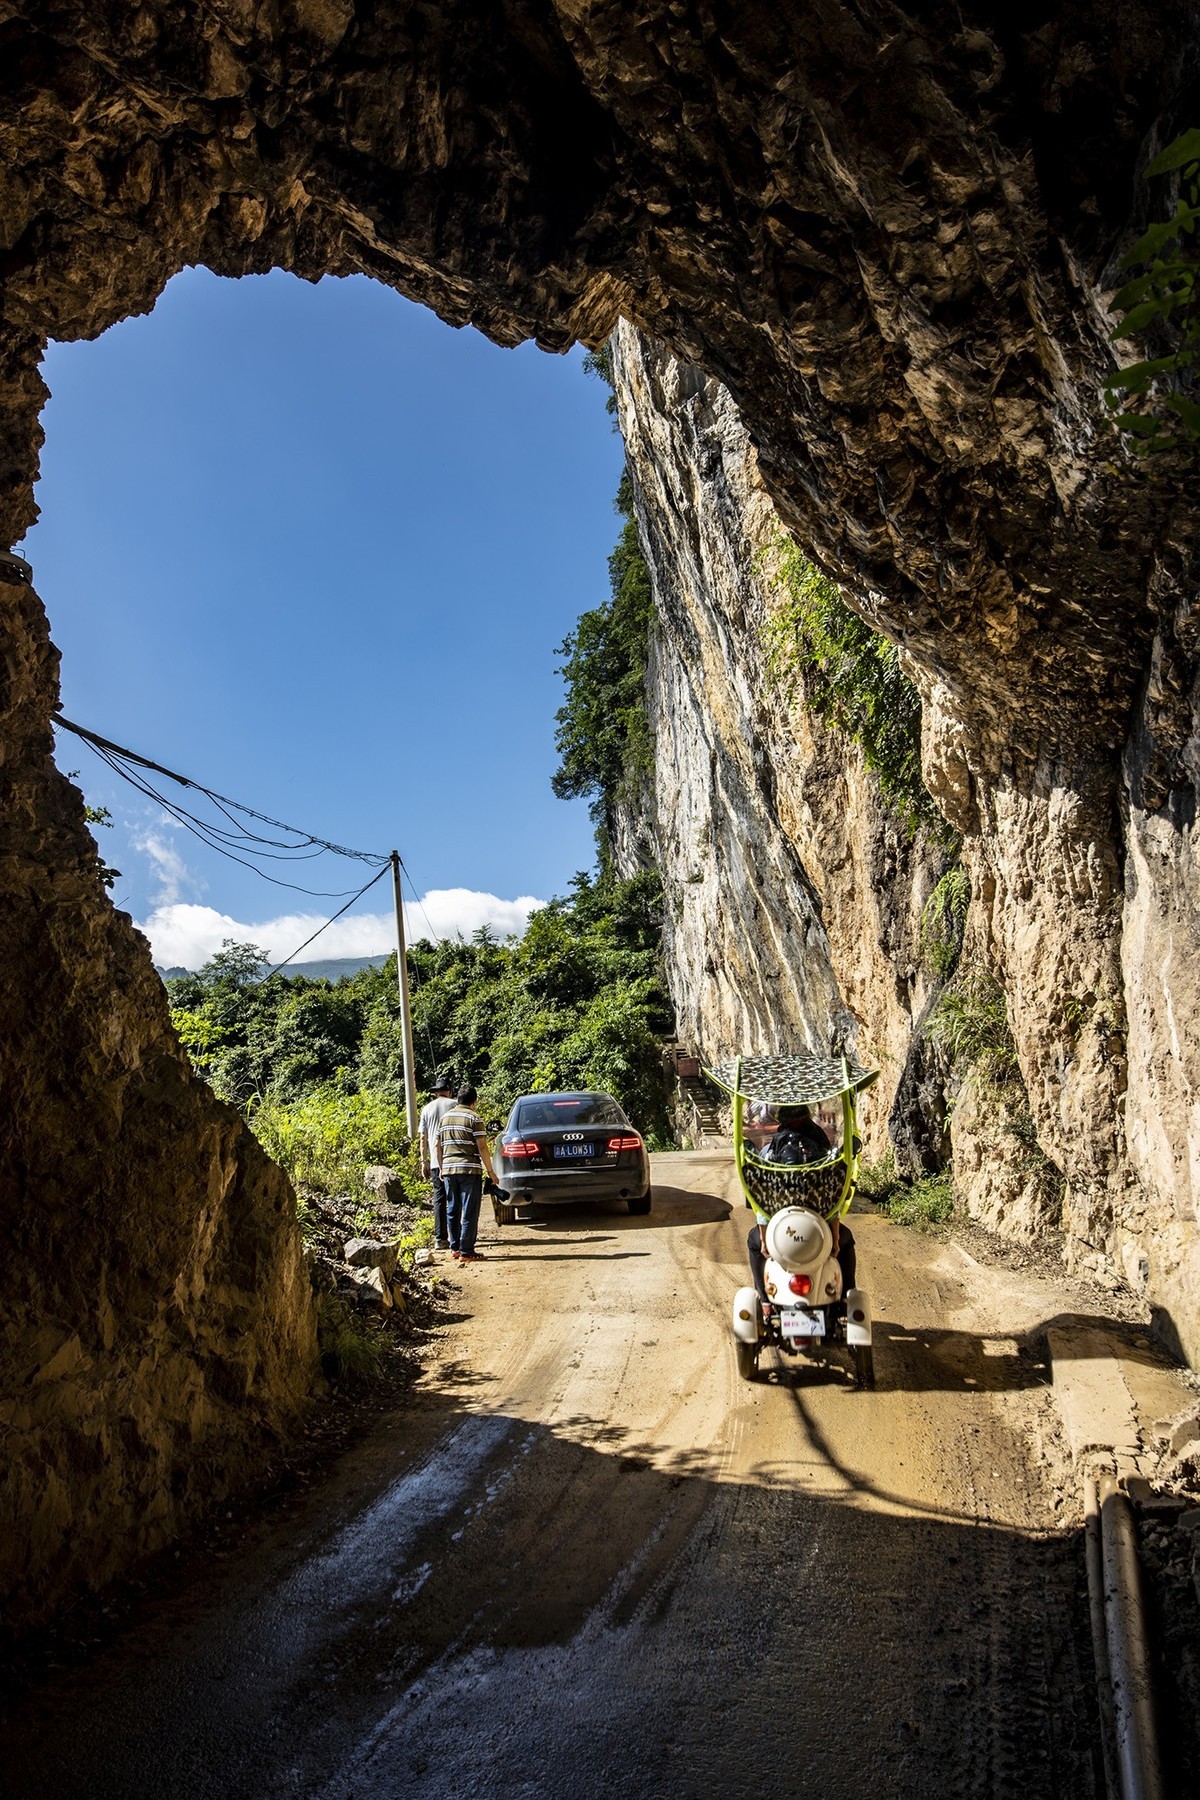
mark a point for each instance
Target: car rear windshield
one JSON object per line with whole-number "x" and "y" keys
{"x": 567, "y": 1109}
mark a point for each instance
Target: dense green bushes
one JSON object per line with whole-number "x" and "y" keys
{"x": 317, "y": 1067}
{"x": 327, "y": 1138}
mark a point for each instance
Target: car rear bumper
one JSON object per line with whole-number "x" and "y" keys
{"x": 558, "y": 1187}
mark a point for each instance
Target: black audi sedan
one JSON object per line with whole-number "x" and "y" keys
{"x": 559, "y": 1148}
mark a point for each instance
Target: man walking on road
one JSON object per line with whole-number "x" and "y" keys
{"x": 464, "y": 1155}
{"x": 432, "y": 1114}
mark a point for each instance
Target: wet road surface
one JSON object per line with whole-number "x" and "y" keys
{"x": 585, "y": 1559}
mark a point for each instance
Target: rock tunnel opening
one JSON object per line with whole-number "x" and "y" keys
{"x": 873, "y": 236}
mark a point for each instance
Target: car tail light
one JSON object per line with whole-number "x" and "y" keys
{"x": 520, "y": 1147}
{"x": 625, "y": 1143}
{"x": 800, "y": 1284}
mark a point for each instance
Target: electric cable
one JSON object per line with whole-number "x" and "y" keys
{"x": 418, "y": 902}
{"x": 304, "y": 847}
{"x": 144, "y": 762}
{"x": 320, "y": 928}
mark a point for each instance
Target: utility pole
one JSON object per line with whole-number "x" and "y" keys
{"x": 410, "y": 1080}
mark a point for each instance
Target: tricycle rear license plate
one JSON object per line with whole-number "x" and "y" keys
{"x": 796, "y": 1323}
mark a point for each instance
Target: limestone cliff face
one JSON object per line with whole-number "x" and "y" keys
{"x": 794, "y": 897}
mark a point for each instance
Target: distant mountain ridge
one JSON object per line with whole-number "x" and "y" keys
{"x": 332, "y": 969}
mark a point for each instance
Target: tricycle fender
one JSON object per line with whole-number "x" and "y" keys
{"x": 746, "y": 1315}
{"x": 858, "y": 1316}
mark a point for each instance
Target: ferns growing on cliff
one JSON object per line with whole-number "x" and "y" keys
{"x": 1155, "y": 400}
{"x": 849, "y": 676}
{"x": 970, "y": 1023}
{"x": 943, "y": 919}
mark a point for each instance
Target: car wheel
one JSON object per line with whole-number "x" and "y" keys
{"x": 505, "y": 1212}
{"x": 747, "y": 1360}
{"x": 641, "y": 1206}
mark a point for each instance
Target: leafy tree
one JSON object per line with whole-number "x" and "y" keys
{"x": 235, "y": 965}
{"x": 579, "y": 1001}
{"x": 1163, "y": 303}
{"x": 604, "y": 742}
{"x": 603, "y": 739}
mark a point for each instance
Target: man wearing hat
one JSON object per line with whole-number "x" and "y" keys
{"x": 432, "y": 1114}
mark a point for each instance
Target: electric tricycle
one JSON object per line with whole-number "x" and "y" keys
{"x": 799, "y": 1185}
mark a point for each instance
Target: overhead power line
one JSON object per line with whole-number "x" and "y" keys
{"x": 378, "y": 876}
{"x": 298, "y": 845}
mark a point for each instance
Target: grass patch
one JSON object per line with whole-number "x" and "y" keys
{"x": 877, "y": 1181}
{"x": 970, "y": 1023}
{"x": 925, "y": 1206}
{"x": 350, "y": 1351}
{"x": 419, "y": 1238}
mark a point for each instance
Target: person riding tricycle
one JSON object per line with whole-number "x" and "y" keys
{"x": 802, "y": 1253}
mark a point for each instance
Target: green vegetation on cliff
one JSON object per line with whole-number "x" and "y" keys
{"x": 317, "y": 1067}
{"x": 1156, "y": 400}
{"x": 850, "y": 677}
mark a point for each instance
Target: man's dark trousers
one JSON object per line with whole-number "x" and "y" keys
{"x": 439, "y": 1206}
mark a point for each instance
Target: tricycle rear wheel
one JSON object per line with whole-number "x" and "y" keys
{"x": 747, "y": 1360}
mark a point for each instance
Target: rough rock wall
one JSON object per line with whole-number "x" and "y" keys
{"x": 157, "y": 1322}
{"x": 794, "y": 896}
{"x": 888, "y": 232}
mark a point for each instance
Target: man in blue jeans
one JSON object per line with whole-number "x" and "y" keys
{"x": 464, "y": 1155}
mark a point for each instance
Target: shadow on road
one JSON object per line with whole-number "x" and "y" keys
{"x": 441, "y": 1624}
{"x": 535, "y": 1255}
{"x": 673, "y": 1207}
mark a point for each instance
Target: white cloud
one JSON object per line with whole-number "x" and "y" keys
{"x": 185, "y": 935}
{"x": 172, "y": 876}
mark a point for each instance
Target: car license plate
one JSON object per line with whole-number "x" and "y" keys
{"x": 570, "y": 1152}
{"x": 797, "y": 1324}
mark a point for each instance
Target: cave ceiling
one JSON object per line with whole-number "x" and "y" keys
{"x": 889, "y": 232}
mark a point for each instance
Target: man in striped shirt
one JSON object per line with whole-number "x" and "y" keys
{"x": 463, "y": 1156}
{"x": 432, "y": 1114}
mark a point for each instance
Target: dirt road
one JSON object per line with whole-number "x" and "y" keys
{"x": 586, "y": 1560}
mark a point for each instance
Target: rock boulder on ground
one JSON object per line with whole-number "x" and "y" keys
{"x": 368, "y": 1253}
{"x": 386, "y": 1183}
{"x": 373, "y": 1288}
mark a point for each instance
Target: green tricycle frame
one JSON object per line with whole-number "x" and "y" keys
{"x": 804, "y": 1079}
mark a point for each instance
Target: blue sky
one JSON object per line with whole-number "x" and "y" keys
{"x": 311, "y": 546}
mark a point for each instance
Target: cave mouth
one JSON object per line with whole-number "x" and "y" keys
{"x": 892, "y": 249}
{"x": 261, "y": 505}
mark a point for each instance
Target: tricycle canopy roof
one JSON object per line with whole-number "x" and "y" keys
{"x": 799, "y": 1080}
